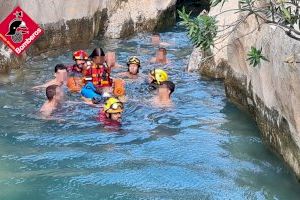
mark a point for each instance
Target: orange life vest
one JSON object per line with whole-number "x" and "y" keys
{"x": 119, "y": 87}
{"x": 74, "y": 84}
{"x": 101, "y": 75}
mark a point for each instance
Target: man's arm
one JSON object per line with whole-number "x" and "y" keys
{"x": 52, "y": 82}
{"x": 153, "y": 60}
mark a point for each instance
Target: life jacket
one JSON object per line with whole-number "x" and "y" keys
{"x": 99, "y": 75}
{"x": 74, "y": 83}
{"x": 119, "y": 87}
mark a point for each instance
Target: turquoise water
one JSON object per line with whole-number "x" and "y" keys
{"x": 203, "y": 148}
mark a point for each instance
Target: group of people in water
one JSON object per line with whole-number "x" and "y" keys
{"x": 90, "y": 75}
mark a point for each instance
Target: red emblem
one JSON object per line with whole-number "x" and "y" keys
{"x": 19, "y": 31}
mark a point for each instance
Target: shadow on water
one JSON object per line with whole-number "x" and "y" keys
{"x": 263, "y": 171}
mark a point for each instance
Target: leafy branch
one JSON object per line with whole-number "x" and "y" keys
{"x": 202, "y": 29}
{"x": 283, "y": 13}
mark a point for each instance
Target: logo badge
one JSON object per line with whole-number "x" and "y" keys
{"x": 19, "y": 31}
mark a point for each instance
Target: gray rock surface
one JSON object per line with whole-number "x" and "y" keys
{"x": 270, "y": 91}
{"x": 70, "y": 23}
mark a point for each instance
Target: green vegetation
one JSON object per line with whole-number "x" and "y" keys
{"x": 255, "y": 56}
{"x": 284, "y": 14}
{"x": 202, "y": 29}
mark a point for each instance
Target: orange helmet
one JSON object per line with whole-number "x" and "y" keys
{"x": 80, "y": 55}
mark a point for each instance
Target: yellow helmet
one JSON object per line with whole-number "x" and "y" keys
{"x": 113, "y": 105}
{"x": 134, "y": 60}
{"x": 159, "y": 75}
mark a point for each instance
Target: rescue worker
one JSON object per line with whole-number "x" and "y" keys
{"x": 112, "y": 112}
{"x": 134, "y": 65}
{"x": 75, "y": 71}
{"x": 156, "y": 77}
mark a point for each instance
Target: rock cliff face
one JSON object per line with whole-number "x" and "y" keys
{"x": 75, "y": 23}
{"x": 270, "y": 91}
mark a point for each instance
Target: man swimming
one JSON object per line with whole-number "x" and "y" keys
{"x": 163, "y": 97}
{"x": 134, "y": 65}
{"x": 156, "y": 41}
{"x": 54, "y": 96}
{"x": 112, "y": 112}
{"x": 161, "y": 56}
{"x": 60, "y": 73}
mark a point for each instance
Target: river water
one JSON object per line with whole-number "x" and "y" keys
{"x": 203, "y": 148}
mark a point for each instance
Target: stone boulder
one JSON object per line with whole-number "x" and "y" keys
{"x": 73, "y": 24}
{"x": 139, "y": 16}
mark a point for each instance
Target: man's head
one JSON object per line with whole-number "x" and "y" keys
{"x": 166, "y": 88}
{"x": 80, "y": 65}
{"x": 60, "y": 72}
{"x": 113, "y": 109}
{"x": 155, "y": 38}
{"x": 133, "y": 65}
{"x": 80, "y": 57}
{"x": 53, "y": 93}
{"x": 98, "y": 56}
{"x": 161, "y": 54}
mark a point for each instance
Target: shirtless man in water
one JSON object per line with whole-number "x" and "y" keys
{"x": 163, "y": 97}
{"x": 161, "y": 56}
{"x": 134, "y": 65}
{"x": 54, "y": 95}
{"x": 60, "y": 77}
{"x": 156, "y": 41}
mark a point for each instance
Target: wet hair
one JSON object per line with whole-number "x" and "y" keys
{"x": 164, "y": 50}
{"x": 155, "y": 34}
{"x": 97, "y": 52}
{"x": 51, "y": 91}
{"x": 170, "y": 85}
{"x": 59, "y": 67}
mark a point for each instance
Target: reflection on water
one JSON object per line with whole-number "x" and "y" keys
{"x": 203, "y": 148}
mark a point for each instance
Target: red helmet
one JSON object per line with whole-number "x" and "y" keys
{"x": 80, "y": 55}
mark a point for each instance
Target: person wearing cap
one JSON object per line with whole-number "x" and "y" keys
{"x": 112, "y": 111}
{"x": 80, "y": 57}
{"x": 133, "y": 68}
{"x": 156, "y": 77}
{"x": 75, "y": 72}
{"x": 164, "y": 92}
